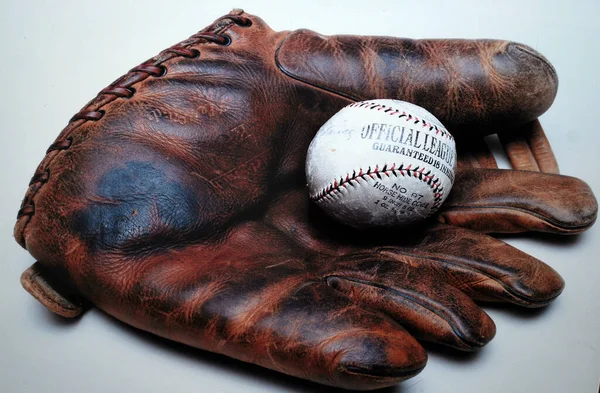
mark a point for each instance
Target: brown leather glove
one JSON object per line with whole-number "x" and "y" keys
{"x": 176, "y": 202}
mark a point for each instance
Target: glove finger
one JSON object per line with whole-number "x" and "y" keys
{"x": 327, "y": 337}
{"x": 430, "y": 309}
{"x": 506, "y": 201}
{"x": 483, "y": 267}
{"x": 540, "y": 147}
{"x": 472, "y": 86}
{"x": 259, "y": 307}
{"x": 528, "y": 148}
{"x": 474, "y": 153}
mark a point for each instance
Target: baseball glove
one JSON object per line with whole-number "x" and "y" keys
{"x": 175, "y": 201}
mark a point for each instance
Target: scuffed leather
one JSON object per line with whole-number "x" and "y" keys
{"x": 57, "y": 296}
{"x": 474, "y": 85}
{"x": 177, "y": 204}
{"x": 519, "y": 202}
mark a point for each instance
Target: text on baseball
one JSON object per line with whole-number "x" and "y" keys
{"x": 409, "y": 137}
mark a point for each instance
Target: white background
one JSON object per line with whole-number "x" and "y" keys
{"x": 56, "y": 55}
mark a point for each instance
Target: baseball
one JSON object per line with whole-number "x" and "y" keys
{"x": 381, "y": 163}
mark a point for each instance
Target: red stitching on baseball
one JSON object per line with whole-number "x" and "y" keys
{"x": 408, "y": 116}
{"x": 428, "y": 178}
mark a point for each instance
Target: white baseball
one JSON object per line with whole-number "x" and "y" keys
{"x": 381, "y": 163}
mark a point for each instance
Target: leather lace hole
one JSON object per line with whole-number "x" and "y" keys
{"x": 245, "y": 22}
{"x": 227, "y": 40}
{"x": 102, "y": 113}
{"x": 132, "y": 91}
{"x": 195, "y": 54}
{"x": 163, "y": 71}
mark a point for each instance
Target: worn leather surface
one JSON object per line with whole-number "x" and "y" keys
{"x": 470, "y": 84}
{"x": 175, "y": 201}
{"x": 519, "y": 202}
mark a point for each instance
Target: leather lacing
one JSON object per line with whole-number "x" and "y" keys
{"x": 123, "y": 88}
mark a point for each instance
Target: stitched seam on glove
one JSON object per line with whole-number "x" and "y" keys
{"x": 547, "y": 220}
{"x": 481, "y": 272}
{"x": 416, "y": 300}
